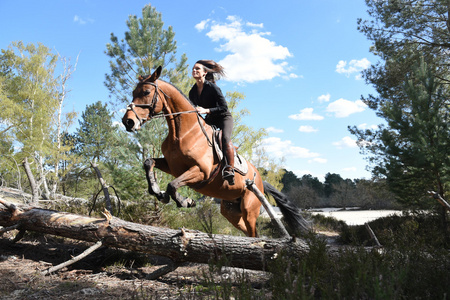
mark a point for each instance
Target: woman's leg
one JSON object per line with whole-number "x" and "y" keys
{"x": 227, "y": 146}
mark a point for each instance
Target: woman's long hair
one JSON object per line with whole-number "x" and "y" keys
{"x": 214, "y": 71}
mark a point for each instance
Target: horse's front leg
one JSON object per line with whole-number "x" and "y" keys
{"x": 153, "y": 187}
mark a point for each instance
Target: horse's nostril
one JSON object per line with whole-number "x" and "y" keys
{"x": 129, "y": 124}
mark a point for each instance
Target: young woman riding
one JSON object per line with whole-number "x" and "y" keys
{"x": 209, "y": 100}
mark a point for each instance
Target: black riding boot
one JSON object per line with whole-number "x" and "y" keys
{"x": 228, "y": 170}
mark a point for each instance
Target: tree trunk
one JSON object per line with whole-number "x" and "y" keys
{"x": 180, "y": 245}
{"x": 33, "y": 185}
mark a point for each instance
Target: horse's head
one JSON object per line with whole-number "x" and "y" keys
{"x": 146, "y": 102}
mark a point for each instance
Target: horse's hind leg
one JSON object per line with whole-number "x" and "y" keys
{"x": 232, "y": 212}
{"x": 250, "y": 207}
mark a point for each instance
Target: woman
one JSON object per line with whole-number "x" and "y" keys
{"x": 209, "y": 100}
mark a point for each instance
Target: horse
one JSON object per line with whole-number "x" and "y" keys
{"x": 188, "y": 155}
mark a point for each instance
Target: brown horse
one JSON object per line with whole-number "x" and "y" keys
{"x": 190, "y": 158}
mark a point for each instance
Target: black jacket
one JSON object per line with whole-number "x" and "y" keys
{"x": 212, "y": 98}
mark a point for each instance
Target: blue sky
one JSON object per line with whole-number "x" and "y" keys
{"x": 298, "y": 64}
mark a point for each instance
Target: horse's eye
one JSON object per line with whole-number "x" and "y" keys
{"x": 146, "y": 92}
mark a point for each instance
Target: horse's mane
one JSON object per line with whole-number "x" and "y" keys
{"x": 175, "y": 87}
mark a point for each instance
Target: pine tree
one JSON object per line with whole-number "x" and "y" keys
{"x": 411, "y": 81}
{"x": 145, "y": 47}
{"x": 94, "y": 133}
{"x": 411, "y": 151}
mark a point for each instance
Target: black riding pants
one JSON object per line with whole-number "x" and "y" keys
{"x": 225, "y": 123}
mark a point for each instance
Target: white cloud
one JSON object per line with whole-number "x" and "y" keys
{"x": 299, "y": 173}
{"x": 364, "y": 126}
{"x": 274, "y": 130}
{"x": 306, "y": 114}
{"x": 324, "y": 98}
{"x": 81, "y": 21}
{"x": 318, "y": 160}
{"x": 349, "y": 169}
{"x": 251, "y": 56}
{"x": 279, "y": 149}
{"x": 202, "y": 25}
{"x": 354, "y": 66}
{"x": 307, "y": 128}
{"x": 343, "y": 108}
{"x": 345, "y": 142}
{"x": 250, "y": 24}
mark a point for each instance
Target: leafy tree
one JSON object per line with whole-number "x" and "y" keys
{"x": 304, "y": 196}
{"x": 373, "y": 194}
{"x": 289, "y": 180}
{"x": 332, "y": 180}
{"x": 342, "y": 195}
{"x": 28, "y": 111}
{"x": 314, "y": 183}
{"x": 411, "y": 39}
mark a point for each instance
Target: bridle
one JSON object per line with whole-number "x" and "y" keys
{"x": 151, "y": 107}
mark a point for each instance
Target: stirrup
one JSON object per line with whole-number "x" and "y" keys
{"x": 228, "y": 174}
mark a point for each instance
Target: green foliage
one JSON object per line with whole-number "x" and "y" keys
{"x": 243, "y": 136}
{"x": 411, "y": 149}
{"x": 31, "y": 99}
{"x": 94, "y": 133}
{"x": 308, "y": 192}
{"x": 400, "y": 271}
{"x": 32, "y": 96}
{"x": 145, "y": 47}
{"x": 398, "y": 232}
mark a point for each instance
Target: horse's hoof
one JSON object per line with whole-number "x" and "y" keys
{"x": 162, "y": 197}
{"x": 149, "y": 162}
{"x": 188, "y": 202}
{"x": 191, "y": 203}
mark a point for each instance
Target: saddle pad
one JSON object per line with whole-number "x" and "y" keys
{"x": 240, "y": 164}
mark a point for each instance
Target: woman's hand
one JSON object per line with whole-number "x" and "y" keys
{"x": 202, "y": 110}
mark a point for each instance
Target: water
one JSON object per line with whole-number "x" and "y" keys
{"x": 355, "y": 217}
{"x": 351, "y": 216}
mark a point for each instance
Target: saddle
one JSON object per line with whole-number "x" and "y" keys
{"x": 240, "y": 164}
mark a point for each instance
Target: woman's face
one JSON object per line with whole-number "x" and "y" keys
{"x": 198, "y": 71}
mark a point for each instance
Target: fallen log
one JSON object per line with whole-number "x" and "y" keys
{"x": 179, "y": 245}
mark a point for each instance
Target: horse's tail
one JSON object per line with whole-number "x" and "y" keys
{"x": 291, "y": 213}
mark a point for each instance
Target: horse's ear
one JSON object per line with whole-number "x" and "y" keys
{"x": 156, "y": 74}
